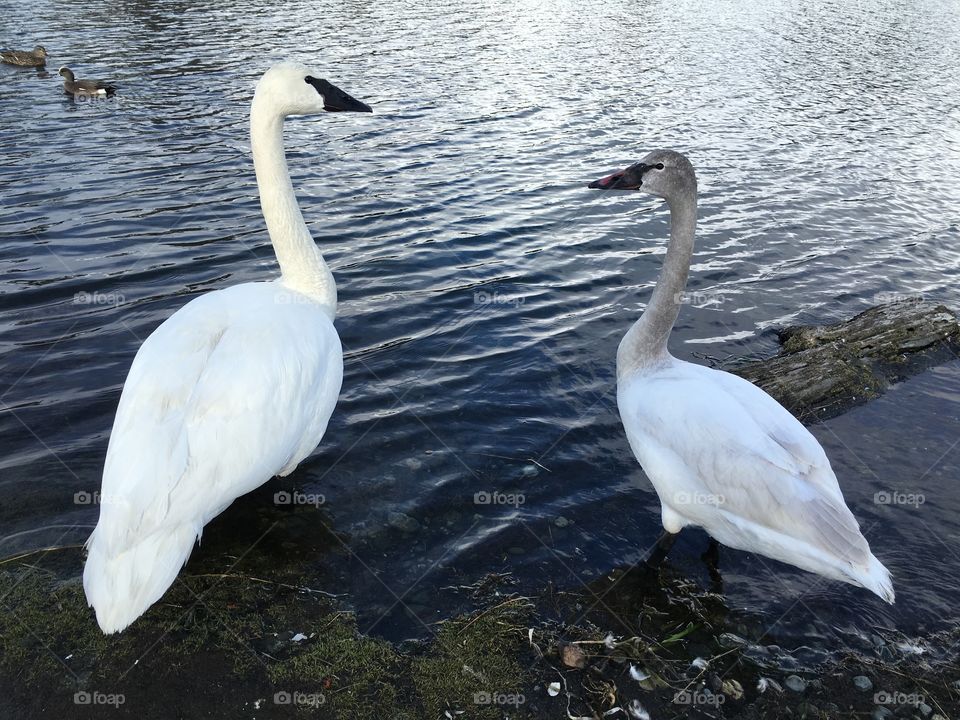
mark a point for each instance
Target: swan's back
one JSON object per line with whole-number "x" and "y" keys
{"x": 235, "y": 387}
{"x": 725, "y": 456}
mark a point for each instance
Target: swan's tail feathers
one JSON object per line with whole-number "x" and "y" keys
{"x": 121, "y": 586}
{"x": 877, "y": 578}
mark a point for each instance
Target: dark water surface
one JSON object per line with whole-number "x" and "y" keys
{"x": 483, "y": 289}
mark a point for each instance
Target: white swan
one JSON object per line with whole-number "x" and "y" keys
{"x": 235, "y": 387}
{"x": 720, "y": 452}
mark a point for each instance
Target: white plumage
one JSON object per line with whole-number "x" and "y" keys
{"x": 721, "y": 453}
{"x": 235, "y": 387}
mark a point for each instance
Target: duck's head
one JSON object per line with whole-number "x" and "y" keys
{"x": 67, "y": 73}
{"x": 40, "y": 50}
{"x": 663, "y": 173}
{"x": 294, "y": 89}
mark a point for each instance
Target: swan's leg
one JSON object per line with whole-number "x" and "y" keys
{"x": 660, "y": 550}
{"x": 711, "y": 555}
{"x": 712, "y": 558}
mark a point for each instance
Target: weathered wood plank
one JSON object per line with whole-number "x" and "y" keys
{"x": 822, "y": 370}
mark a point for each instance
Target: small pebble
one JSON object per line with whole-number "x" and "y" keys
{"x": 732, "y": 689}
{"x": 573, "y": 656}
{"x": 729, "y": 640}
{"x": 795, "y": 683}
{"x": 862, "y": 683}
{"x": 402, "y": 521}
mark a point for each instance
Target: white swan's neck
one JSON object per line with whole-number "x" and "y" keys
{"x": 645, "y": 344}
{"x": 301, "y": 265}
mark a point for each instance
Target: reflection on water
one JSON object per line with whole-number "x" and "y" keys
{"x": 483, "y": 290}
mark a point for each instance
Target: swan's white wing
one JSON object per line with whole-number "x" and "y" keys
{"x": 235, "y": 387}
{"x": 724, "y": 455}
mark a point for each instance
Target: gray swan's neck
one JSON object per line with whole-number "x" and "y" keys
{"x": 645, "y": 344}
{"x": 301, "y": 265}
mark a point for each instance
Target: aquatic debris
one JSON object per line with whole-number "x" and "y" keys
{"x": 796, "y": 683}
{"x": 299, "y": 637}
{"x": 638, "y": 675}
{"x": 553, "y": 689}
{"x": 823, "y": 370}
{"x": 572, "y": 656}
{"x": 637, "y": 711}
{"x": 610, "y": 642}
{"x": 863, "y": 683}
{"x": 763, "y": 684}
{"x": 403, "y": 522}
{"x": 699, "y": 664}
{"x": 908, "y": 648}
{"x": 678, "y": 636}
{"x": 732, "y": 689}
{"x": 729, "y": 640}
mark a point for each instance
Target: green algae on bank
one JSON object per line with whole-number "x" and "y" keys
{"x": 217, "y": 645}
{"x": 229, "y": 645}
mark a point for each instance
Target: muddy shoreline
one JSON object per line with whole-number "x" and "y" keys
{"x": 641, "y": 640}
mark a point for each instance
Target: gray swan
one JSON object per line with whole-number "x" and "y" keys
{"x": 721, "y": 453}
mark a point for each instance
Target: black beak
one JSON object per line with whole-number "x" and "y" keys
{"x": 335, "y": 99}
{"x": 629, "y": 179}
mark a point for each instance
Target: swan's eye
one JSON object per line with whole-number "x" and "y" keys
{"x": 659, "y": 166}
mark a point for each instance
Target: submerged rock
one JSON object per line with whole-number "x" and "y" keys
{"x": 795, "y": 683}
{"x": 403, "y": 522}
{"x": 862, "y": 683}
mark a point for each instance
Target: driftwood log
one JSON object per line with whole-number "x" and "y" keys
{"x": 822, "y": 370}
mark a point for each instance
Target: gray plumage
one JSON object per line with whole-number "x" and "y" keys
{"x": 25, "y": 58}
{"x": 72, "y": 86}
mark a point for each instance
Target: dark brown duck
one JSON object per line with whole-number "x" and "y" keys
{"x": 25, "y": 58}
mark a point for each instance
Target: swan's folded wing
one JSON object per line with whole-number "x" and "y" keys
{"x": 218, "y": 399}
{"x": 745, "y": 453}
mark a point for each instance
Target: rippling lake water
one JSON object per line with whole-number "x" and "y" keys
{"x": 483, "y": 289}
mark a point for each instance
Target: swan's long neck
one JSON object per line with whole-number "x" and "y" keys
{"x": 645, "y": 344}
{"x": 301, "y": 265}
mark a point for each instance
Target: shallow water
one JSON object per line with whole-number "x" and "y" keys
{"x": 483, "y": 289}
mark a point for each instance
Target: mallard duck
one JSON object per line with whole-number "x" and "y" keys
{"x": 25, "y": 58}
